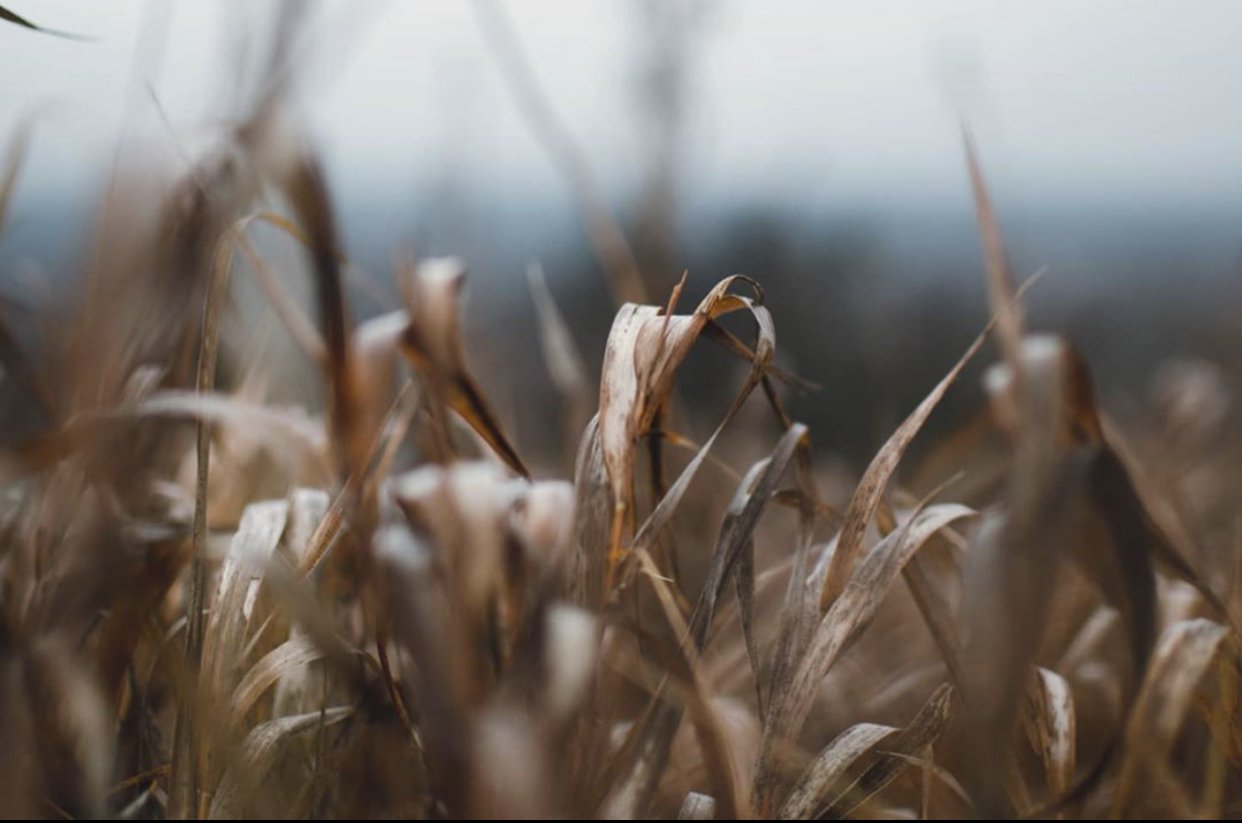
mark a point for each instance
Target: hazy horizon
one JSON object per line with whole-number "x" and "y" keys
{"x": 1108, "y": 100}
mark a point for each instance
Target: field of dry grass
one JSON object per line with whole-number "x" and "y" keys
{"x": 217, "y": 605}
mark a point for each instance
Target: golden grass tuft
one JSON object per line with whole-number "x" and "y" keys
{"x": 415, "y": 624}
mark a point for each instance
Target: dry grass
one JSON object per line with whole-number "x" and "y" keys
{"x": 216, "y": 606}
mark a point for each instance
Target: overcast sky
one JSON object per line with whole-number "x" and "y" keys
{"x": 1106, "y": 98}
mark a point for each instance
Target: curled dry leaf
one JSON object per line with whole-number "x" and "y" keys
{"x": 646, "y": 346}
{"x": 644, "y": 352}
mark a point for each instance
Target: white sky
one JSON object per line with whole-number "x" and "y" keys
{"x": 1130, "y": 99}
